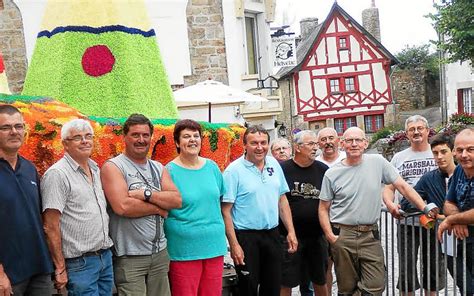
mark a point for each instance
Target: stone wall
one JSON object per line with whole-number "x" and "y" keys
{"x": 12, "y": 45}
{"x": 206, "y": 41}
{"x": 414, "y": 89}
{"x": 291, "y": 121}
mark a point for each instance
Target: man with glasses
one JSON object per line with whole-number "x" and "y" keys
{"x": 25, "y": 262}
{"x": 254, "y": 200}
{"x": 140, "y": 192}
{"x": 328, "y": 141}
{"x": 459, "y": 209}
{"x": 281, "y": 149}
{"x": 351, "y": 195}
{"x": 75, "y": 216}
{"x": 304, "y": 176}
{"x": 411, "y": 164}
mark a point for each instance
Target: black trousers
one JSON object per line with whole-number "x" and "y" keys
{"x": 261, "y": 274}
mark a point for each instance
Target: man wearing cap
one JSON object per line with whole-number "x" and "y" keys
{"x": 354, "y": 236}
{"x": 459, "y": 209}
{"x": 75, "y": 216}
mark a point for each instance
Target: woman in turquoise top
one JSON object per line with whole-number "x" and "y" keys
{"x": 195, "y": 232}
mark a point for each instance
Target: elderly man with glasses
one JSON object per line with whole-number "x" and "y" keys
{"x": 353, "y": 202}
{"x": 75, "y": 216}
{"x": 412, "y": 163}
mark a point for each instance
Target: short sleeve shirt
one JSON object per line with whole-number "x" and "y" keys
{"x": 356, "y": 191}
{"x": 461, "y": 190}
{"x": 255, "y": 194}
{"x": 84, "y": 218}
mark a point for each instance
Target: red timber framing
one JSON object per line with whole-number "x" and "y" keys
{"x": 343, "y": 99}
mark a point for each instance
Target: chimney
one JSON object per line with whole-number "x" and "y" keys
{"x": 307, "y": 25}
{"x": 371, "y": 22}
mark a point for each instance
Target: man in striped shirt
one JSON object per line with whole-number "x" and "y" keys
{"x": 75, "y": 216}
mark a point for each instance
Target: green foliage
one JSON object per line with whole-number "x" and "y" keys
{"x": 412, "y": 57}
{"x": 384, "y": 132}
{"x": 454, "y": 21}
{"x": 463, "y": 118}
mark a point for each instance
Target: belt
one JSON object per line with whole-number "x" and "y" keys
{"x": 90, "y": 254}
{"x": 360, "y": 228}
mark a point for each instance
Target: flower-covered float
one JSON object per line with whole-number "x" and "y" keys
{"x": 99, "y": 60}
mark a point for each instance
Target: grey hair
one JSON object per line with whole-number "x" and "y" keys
{"x": 416, "y": 118}
{"x": 332, "y": 130}
{"x": 278, "y": 141}
{"x": 75, "y": 124}
{"x": 298, "y": 138}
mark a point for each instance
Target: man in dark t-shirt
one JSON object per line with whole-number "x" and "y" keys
{"x": 304, "y": 176}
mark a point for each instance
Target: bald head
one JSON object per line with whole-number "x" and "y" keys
{"x": 464, "y": 150}
{"x": 354, "y": 131}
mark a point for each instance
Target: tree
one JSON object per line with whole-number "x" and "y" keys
{"x": 454, "y": 22}
{"x": 412, "y": 57}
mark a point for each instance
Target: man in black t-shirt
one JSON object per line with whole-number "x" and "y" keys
{"x": 304, "y": 176}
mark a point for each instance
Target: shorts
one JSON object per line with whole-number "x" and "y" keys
{"x": 308, "y": 263}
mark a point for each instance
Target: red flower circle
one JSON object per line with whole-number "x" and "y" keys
{"x": 97, "y": 60}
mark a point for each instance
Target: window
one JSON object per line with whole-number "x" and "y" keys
{"x": 341, "y": 124}
{"x": 349, "y": 84}
{"x": 334, "y": 84}
{"x": 373, "y": 123}
{"x": 468, "y": 102}
{"x": 343, "y": 43}
{"x": 251, "y": 44}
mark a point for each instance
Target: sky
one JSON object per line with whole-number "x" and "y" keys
{"x": 402, "y": 22}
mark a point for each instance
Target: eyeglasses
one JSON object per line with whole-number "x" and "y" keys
{"x": 310, "y": 144}
{"x": 79, "y": 138}
{"x": 357, "y": 140}
{"x": 418, "y": 128}
{"x": 19, "y": 127}
{"x": 325, "y": 139}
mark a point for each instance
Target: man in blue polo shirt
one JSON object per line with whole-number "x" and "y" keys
{"x": 459, "y": 209}
{"x": 254, "y": 200}
{"x": 25, "y": 263}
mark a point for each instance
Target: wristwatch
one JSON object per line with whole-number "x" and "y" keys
{"x": 147, "y": 193}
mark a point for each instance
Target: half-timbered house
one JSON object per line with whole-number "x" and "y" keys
{"x": 342, "y": 78}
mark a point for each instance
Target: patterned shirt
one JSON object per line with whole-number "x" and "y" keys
{"x": 84, "y": 221}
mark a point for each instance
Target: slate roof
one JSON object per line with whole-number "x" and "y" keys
{"x": 305, "y": 46}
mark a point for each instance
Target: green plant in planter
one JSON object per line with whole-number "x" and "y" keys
{"x": 464, "y": 118}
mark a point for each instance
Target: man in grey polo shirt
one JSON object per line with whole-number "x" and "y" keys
{"x": 351, "y": 191}
{"x": 140, "y": 191}
{"x": 75, "y": 216}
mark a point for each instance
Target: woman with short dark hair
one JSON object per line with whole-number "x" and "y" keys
{"x": 195, "y": 232}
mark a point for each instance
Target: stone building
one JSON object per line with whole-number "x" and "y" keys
{"x": 414, "y": 88}
{"x": 12, "y": 45}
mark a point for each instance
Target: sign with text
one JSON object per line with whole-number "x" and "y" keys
{"x": 284, "y": 51}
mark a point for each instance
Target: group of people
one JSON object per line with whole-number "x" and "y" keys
{"x": 149, "y": 229}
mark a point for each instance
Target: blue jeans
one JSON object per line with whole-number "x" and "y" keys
{"x": 469, "y": 272}
{"x": 90, "y": 275}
